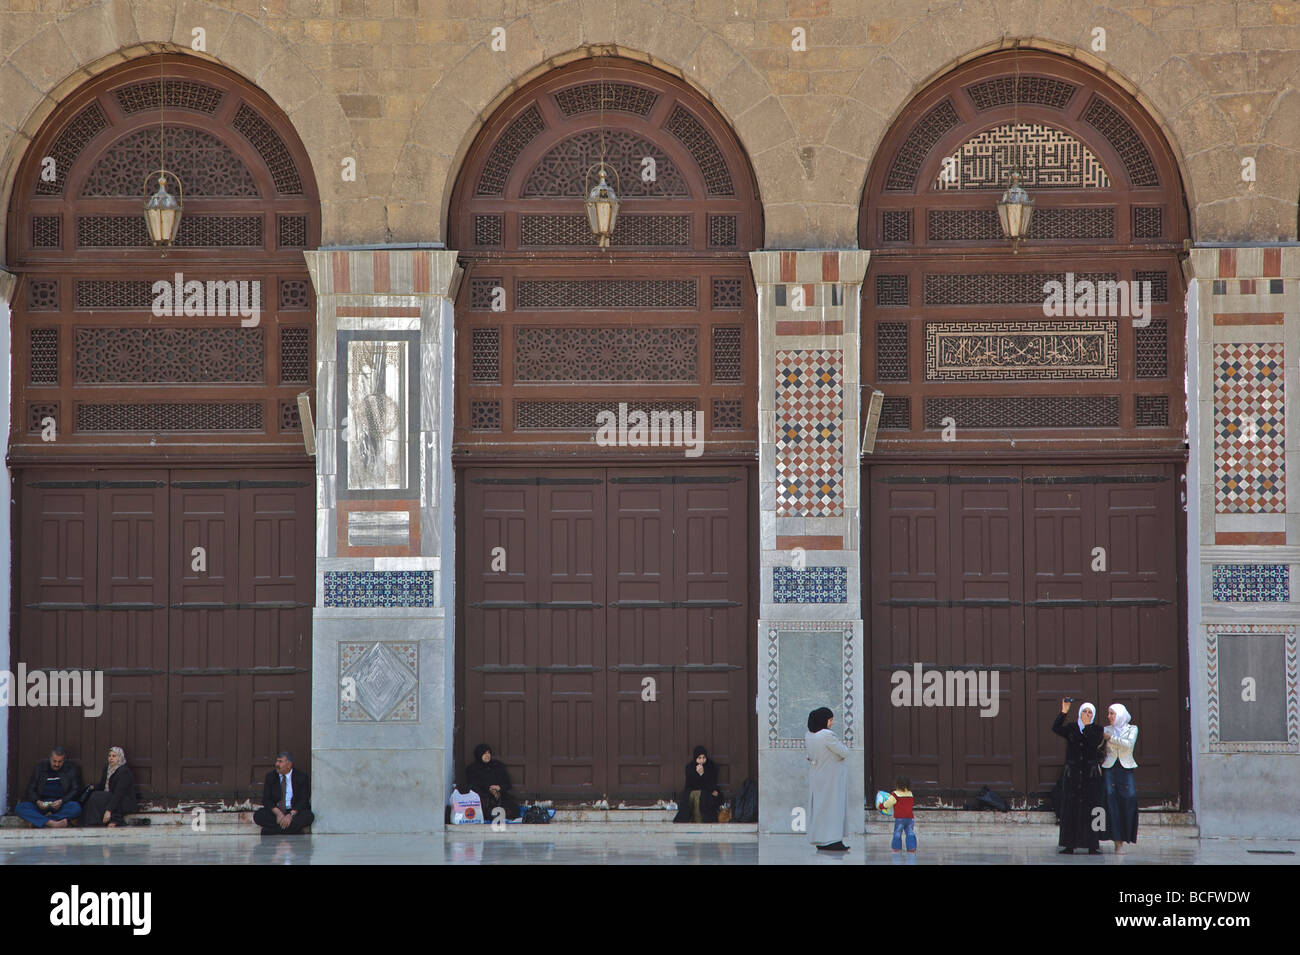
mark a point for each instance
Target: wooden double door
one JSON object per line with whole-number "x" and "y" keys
{"x": 1062, "y": 580}
{"x": 605, "y": 627}
{"x": 192, "y": 591}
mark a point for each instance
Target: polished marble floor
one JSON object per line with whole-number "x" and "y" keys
{"x": 512, "y": 847}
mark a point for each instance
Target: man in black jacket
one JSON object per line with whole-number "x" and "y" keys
{"x": 286, "y": 799}
{"x": 51, "y": 794}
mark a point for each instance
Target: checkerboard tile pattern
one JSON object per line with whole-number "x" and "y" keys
{"x": 1249, "y": 438}
{"x": 1252, "y": 583}
{"x": 809, "y": 433}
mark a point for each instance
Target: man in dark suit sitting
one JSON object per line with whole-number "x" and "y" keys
{"x": 286, "y": 799}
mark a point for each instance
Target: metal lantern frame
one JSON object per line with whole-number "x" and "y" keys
{"x": 602, "y": 202}
{"x": 1015, "y": 211}
{"x": 162, "y": 210}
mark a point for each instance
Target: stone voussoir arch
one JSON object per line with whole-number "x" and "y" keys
{"x": 234, "y": 41}
{"x": 421, "y": 162}
{"x": 1129, "y": 65}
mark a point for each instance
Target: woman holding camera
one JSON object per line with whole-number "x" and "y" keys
{"x": 1081, "y": 781}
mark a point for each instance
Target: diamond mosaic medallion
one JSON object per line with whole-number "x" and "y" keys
{"x": 809, "y": 432}
{"x": 379, "y": 682}
{"x": 1249, "y": 434}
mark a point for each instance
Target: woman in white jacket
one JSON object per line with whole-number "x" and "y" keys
{"x": 828, "y": 783}
{"x": 1117, "y": 778}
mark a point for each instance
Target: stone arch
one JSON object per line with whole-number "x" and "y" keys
{"x": 68, "y": 53}
{"x": 742, "y": 96}
{"x": 992, "y": 381}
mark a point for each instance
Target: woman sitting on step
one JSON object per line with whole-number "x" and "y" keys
{"x": 701, "y": 798}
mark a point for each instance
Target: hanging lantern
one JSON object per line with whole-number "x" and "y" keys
{"x": 1015, "y": 209}
{"x": 162, "y": 210}
{"x": 602, "y": 206}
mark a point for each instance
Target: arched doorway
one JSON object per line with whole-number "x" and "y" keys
{"x": 1025, "y": 510}
{"x": 604, "y": 617}
{"x": 164, "y": 502}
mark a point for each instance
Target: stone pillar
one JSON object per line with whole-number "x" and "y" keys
{"x": 8, "y": 283}
{"x": 382, "y": 668}
{"x": 1244, "y": 539}
{"x": 810, "y": 619}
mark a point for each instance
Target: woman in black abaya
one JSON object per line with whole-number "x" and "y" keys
{"x": 488, "y": 777}
{"x": 1081, "y": 781}
{"x": 701, "y": 798}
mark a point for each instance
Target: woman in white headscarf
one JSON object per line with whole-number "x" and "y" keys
{"x": 828, "y": 783}
{"x": 1081, "y": 790}
{"x": 1117, "y": 774}
{"x": 114, "y": 797}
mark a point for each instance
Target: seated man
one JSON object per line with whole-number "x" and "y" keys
{"x": 286, "y": 799}
{"x": 51, "y": 794}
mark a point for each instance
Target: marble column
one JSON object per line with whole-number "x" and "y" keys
{"x": 8, "y": 283}
{"x": 1244, "y": 539}
{"x": 382, "y": 668}
{"x": 809, "y": 648}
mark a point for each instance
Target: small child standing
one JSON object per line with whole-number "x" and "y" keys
{"x": 900, "y": 801}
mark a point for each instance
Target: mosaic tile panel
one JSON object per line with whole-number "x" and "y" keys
{"x": 1291, "y": 684}
{"x": 380, "y": 588}
{"x": 379, "y": 682}
{"x": 846, "y": 727}
{"x": 1251, "y": 583}
{"x": 809, "y": 433}
{"x": 1249, "y": 436}
{"x": 811, "y": 585}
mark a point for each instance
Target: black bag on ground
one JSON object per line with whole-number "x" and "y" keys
{"x": 536, "y": 815}
{"x": 988, "y": 799}
{"x": 745, "y": 805}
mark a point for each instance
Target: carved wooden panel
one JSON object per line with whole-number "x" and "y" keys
{"x": 89, "y": 328}
{"x": 549, "y": 338}
{"x": 991, "y": 346}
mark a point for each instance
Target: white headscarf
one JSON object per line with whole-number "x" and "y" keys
{"x": 121, "y": 761}
{"x": 1121, "y": 716}
{"x": 1086, "y": 706}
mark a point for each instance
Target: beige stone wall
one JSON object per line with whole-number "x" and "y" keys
{"x": 403, "y": 85}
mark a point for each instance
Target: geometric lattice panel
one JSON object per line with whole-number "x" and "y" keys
{"x": 1054, "y": 411}
{"x": 171, "y": 416}
{"x": 169, "y": 355}
{"x": 379, "y": 682}
{"x": 1251, "y": 583}
{"x": 1249, "y": 434}
{"x": 606, "y": 354}
{"x": 809, "y": 433}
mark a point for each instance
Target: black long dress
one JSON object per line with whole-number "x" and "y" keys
{"x": 1080, "y": 784}
{"x": 706, "y": 784}
{"x": 482, "y": 777}
{"x": 117, "y": 797}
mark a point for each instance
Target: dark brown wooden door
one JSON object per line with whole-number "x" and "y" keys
{"x": 617, "y": 585}
{"x": 992, "y": 567}
{"x": 206, "y": 656}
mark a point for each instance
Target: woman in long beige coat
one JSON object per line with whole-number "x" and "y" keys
{"x": 828, "y": 783}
